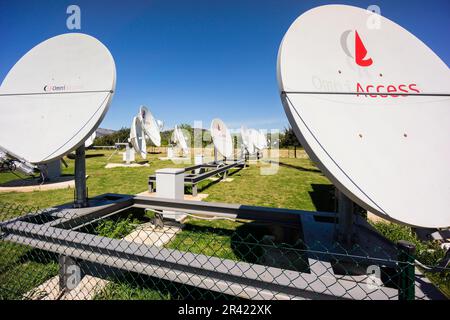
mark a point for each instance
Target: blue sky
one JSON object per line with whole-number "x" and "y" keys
{"x": 196, "y": 60}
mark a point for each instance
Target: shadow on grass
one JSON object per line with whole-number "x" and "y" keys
{"x": 133, "y": 286}
{"x": 323, "y": 197}
{"x": 36, "y": 181}
{"x": 22, "y": 268}
{"x": 205, "y": 184}
{"x": 300, "y": 168}
{"x": 272, "y": 245}
{"x": 71, "y": 156}
{"x": 39, "y": 256}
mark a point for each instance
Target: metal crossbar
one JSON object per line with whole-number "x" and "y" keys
{"x": 269, "y": 253}
{"x": 205, "y": 171}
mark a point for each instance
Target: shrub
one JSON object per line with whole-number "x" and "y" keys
{"x": 429, "y": 253}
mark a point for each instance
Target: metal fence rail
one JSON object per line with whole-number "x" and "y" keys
{"x": 124, "y": 250}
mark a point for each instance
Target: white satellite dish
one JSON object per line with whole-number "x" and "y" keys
{"x": 55, "y": 97}
{"x": 160, "y": 124}
{"x": 260, "y": 140}
{"x": 90, "y": 141}
{"x": 180, "y": 140}
{"x": 221, "y": 138}
{"x": 246, "y": 140}
{"x": 254, "y": 139}
{"x": 150, "y": 125}
{"x": 137, "y": 137}
{"x": 372, "y": 107}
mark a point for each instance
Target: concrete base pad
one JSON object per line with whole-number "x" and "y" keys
{"x": 124, "y": 165}
{"x": 198, "y": 197}
{"x": 374, "y": 218}
{"x": 88, "y": 287}
{"x": 174, "y": 158}
{"x": 148, "y": 234}
{"x": 221, "y": 180}
{"x": 30, "y": 185}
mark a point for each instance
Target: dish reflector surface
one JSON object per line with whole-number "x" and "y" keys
{"x": 221, "y": 138}
{"x": 260, "y": 140}
{"x": 90, "y": 141}
{"x": 150, "y": 125}
{"x": 55, "y": 97}
{"x": 246, "y": 140}
{"x": 340, "y": 84}
{"x": 160, "y": 124}
{"x": 180, "y": 139}
{"x": 137, "y": 138}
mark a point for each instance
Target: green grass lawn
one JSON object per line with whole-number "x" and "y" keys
{"x": 101, "y": 180}
{"x": 298, "y": 184}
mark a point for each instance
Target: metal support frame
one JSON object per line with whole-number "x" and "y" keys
{"x": 346, "y": 219}
{"x": 127, "y": 150}
{"x": 80, "y": 178}
{"x": 216, "y": 274}
{"x": 10, "y": 161}
{"x": 215, "y": 155}
{"x": 194, "y": 189}
{"x": 198, "y": 173}
{"x": 51, "y": 171}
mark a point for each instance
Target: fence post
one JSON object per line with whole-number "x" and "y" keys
{"x": 406, "y": 257}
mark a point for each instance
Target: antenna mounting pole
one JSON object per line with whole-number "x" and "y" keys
{"x": 345, "y": 219}
{"x": 80, "y": 178}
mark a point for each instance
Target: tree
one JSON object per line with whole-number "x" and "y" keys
{"x": 109, "y": 140}
{"x": 288, "y": 139}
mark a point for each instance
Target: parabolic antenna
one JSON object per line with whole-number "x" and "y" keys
{"x": 255, "y": 139}
{"x": 55, "y": 97}
{"x": 371, "y": 105}
{"x": 246, "y": 140}
{"x": 90, "y": 141}
{"x": 221, "y": 138}
{"x": 160, "y": 124}
{"x": 261, "y": 141}
{"x": 137, "y": 138}
{"x": 150, "y": 125}
{"x": 180, "y": 139}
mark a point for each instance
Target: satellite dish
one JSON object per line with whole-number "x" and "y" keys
{"x": 246, "y": 140}
{"x": 255, "y": 139}
{"x": 160, "y": 124}
{"x": 260, "y": 140}
{"x": 180, "y": 140}
{"x": 90, "y": 141}
{"x": 150, "y": 125}
{"x": 373, "y": 114}
{"x": 55, "y": 97}
{"x": 221, "y": 138}
{"x": 137, "y": 138}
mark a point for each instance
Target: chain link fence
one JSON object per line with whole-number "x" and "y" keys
{"x": 133, "y": 253}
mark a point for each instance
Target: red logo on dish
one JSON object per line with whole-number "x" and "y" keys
{"x": 361, "y": 52}
{"x": 373, "y": 90}
{"x": 384, "y": 91}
